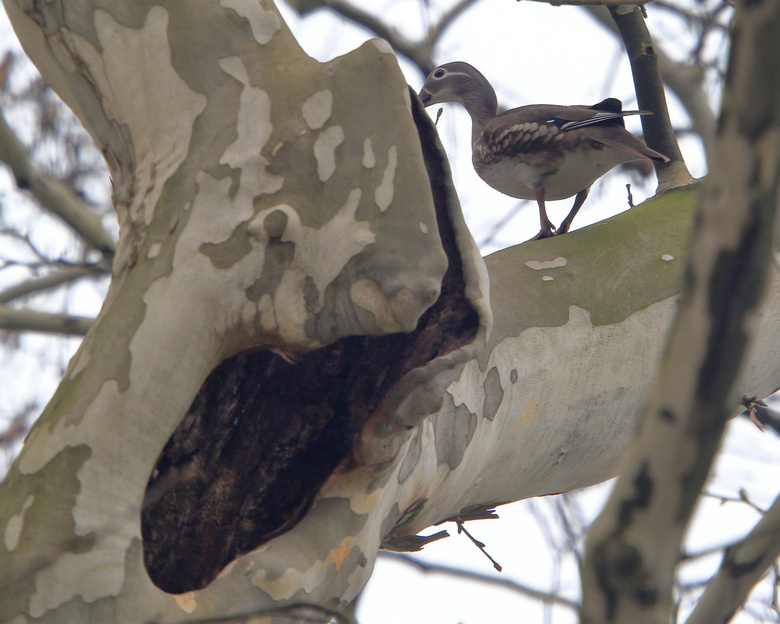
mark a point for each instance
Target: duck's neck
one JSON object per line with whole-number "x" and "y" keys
{"x": 480, "y": 101}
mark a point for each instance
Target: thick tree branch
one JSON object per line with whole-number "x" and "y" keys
{"x": 634, "y": 546}
{"x": 47, "y": 282}
{"x": 53, "y": 195}
{"x": 685, "y": 81}
{"x": 657, "y": 128}
{"x": 12, "y": 319}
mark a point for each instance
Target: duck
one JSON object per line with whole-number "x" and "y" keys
{"x": 541, "y": 152}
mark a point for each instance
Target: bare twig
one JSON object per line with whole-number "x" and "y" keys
{"x": 12, "y": 319}
{"x": 47, "y": 282}
{"x": 418, "y": 52}
{"x": 742, "y": 567}
{"x": 18, "y": 426}
{"x": 478, "y": 544}
{"x": 53, "y": 195}
{"x": 446, "y": 20}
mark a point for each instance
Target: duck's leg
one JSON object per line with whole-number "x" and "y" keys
{"x": 578, "y": 201}
{"x": 548, "y": 229}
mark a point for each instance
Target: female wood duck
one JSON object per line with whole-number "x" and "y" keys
{"x": 541, "y": 151}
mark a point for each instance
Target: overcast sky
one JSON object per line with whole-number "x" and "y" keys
{"x": 532, "y": 53}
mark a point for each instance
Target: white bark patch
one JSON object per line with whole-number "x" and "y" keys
{"x": 382, "y": 46}
{"x": 293, "y": 580}
{"x": 253, "y": 129}
{"x": 214, "y": 216}
{"x": 81, "y": 359}
{"x": 369, "y": 159}
{"x": 154, "y": 250}
{"x": 265, "y": 307}
{"x": 607, "y": 367}
{"x": 322, "y": 253}
{"x": 407, "y": 99}
{"x": 539, "y": 265}
{"x": 383, "y": 196}
{"x": 105, "y": 505}
{"x": 13, "y": 529}
{"x": 157, "y": 106}
{"x": 325, "y": 151}
{"x": 264, "y": 22}
{"x": 186, "y": 602}
{"x": 390, "y": 314}
{"x": 318, "y": 108}
{"x": 226, "y": 570}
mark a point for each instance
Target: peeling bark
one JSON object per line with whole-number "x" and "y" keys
{"x": 263, "y": 435}
{"x": 282, "y": 229}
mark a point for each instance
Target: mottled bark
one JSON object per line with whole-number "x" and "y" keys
{"x": 299, "y": 358}
{"x": 633, "y": 548}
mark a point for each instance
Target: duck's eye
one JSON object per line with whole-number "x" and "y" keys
{"x": 438, "y": 73}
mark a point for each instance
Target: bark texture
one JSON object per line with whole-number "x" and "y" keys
{"x": 634, "y": 547}
{"x": 299, "y": 358}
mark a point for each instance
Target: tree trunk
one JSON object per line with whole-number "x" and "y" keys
{"x": 298, "y": 357}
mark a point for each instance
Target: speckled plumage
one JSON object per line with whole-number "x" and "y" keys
{"x": 542, "y": 151}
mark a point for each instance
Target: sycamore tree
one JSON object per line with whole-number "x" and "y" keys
{"x": 303, "y": 358}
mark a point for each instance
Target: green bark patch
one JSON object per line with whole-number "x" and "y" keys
{"x": 38, "y": 509}
{"x": 611, "y": 269}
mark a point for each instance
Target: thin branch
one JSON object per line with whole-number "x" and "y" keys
{"x": 400, "y": 44}
{"x": 418, "y": 52}
{"x": 687, "y": 82}
{"x": 743, "y": 565}
{"x": 18, "y": 426}
{"x": 514, "y": 586}
{"x": 742, "y": 498}
{"x": 26, "y": 240}
{"x": 12, "y": 319}
{"x": 53, "y": 195}
{"x": 478, "y": 544}
{"x": 499, "y": 225}
{"x": 693, "y": 556}
{"x": 649, "y": 86}
{"x": 704, "y": 20}
{"x": 446, "y": 20}
{"x": 47, "y": 282}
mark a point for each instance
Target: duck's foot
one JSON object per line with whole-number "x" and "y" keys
{"x": 545, "y": 233}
